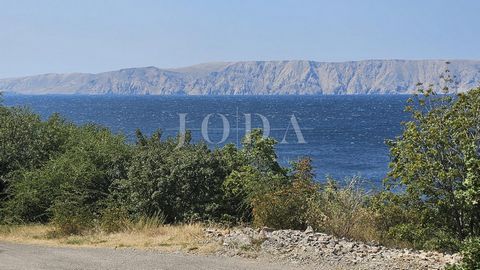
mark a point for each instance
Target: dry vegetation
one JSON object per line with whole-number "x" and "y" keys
{"x": 167, "y": 238}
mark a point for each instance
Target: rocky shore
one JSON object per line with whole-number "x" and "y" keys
{"x": 322, "y": 251}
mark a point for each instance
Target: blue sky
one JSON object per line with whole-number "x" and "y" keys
{"x": 94, "y": 36}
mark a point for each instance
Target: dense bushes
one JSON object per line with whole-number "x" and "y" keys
{"x": 27, "y": 142}
{"x": 71, "y": 185}
{"x": 182, "y": 183}
{"x": 78, "y": 177}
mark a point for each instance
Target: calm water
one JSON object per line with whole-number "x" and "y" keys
{"x": 344, "y": 135}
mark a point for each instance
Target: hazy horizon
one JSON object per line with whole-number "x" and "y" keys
{"x": 96, "y": 36}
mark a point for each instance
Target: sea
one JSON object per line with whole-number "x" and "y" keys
{"x": 343, "y": 135}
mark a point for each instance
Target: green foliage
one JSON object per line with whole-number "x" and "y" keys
{"x": 259, "y": 152}
{"x": 471, "y": 255}
{"x": 286, "y": 206}
{"x": 27, "y": 142}
{"x": 71, "y": 212}
{"x": 243, "y": 186}
{"x": 113, "y": 217}
{"x": 92, "y": 159}
{"x": 436, "y": 161}
{"x": 183, "y": 183}
{"x": 401, "y": 222}
{"x": 79, "y": 177}
{"x": 253, "y": 172}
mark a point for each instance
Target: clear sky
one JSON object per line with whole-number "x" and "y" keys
{"x": 94, "y": 35}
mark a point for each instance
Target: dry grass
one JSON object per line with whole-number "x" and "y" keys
{"x": 168, "y": 238}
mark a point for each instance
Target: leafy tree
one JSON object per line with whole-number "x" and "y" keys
{"x": 253, "y": 172}
{"x": 437, "y": 159}
{"x": 259, "y": 152}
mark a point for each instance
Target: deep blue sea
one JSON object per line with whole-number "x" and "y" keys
{"x": 344, "y": 135}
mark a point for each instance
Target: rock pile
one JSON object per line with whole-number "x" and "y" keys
{"x": 313, "y": 248}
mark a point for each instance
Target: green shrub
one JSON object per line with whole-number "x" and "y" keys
{"x": 402, "y": 222}
{"x": 114, "y": 218}
{"x": 471, "y": 255}
{"x": 183, "y": 183}
{"x": 412, "y": 235}
{"x": 286, "y": 206}
{"x": 253, "y": 171}
{"x": 26, "y": 143}
{"x": 71, "y": 213}
{"x": 259, "y": 152}
{"x": 245, "y": 187}
{"x": 93, "y": 159}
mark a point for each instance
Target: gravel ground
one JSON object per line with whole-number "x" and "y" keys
{"x": 31, "y": 257}
{"x": 323, "y": 251}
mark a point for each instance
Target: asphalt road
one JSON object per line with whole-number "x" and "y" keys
{"x": 26, "y": 257}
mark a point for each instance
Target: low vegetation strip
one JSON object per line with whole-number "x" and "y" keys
{"x": 165, "y": 238}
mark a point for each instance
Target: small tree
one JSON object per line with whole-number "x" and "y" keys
{"x": 437, "y": 160}
{"x": 254, "y": 171}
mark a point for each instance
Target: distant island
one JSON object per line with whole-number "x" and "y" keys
{"x": 255, "y": 78}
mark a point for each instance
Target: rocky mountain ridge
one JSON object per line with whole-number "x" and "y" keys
{"x": 255, "y": 78}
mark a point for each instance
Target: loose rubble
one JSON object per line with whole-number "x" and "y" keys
{"x": 322, "y": 250}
